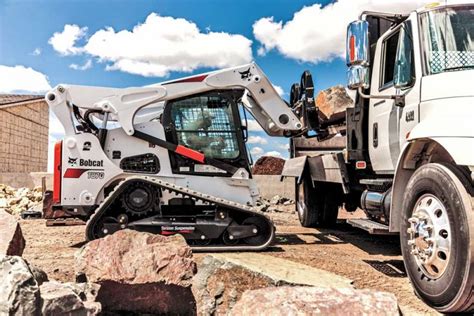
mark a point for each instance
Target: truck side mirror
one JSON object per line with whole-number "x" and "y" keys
{"x": 358, "y": 77}
{"x": 357, "y": 55}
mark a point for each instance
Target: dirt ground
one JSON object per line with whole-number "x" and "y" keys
{"x": 370, "y": 261}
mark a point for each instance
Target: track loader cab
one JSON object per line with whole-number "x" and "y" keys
{"x": 209, "y": 123}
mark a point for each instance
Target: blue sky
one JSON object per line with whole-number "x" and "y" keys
{"x": 285, "y": 37}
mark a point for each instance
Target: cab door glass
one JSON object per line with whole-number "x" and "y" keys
{"x": 390, "y": 51}
{"x": 206, "y": 124}
{"x": 404, "y": 70}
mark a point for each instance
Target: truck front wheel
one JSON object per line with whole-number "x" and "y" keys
{"x": 437, "y": 237}
{"x": 317, "y": 206}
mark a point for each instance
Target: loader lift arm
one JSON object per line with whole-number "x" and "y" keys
{"x": 261, "y": 99}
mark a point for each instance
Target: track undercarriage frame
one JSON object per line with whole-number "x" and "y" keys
{"x": 215, "y": 224}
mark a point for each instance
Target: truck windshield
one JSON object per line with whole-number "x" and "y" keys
{"x": 448, "y": 39}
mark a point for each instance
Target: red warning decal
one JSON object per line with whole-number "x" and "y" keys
{"x": 193, "y": 154}
{"x": 74, "y": 172}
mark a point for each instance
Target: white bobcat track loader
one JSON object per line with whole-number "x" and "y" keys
{"x": 168, "y": 158}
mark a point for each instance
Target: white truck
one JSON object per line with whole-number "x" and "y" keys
{"x": 405, "y": 152}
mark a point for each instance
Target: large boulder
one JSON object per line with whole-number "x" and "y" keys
{"x": 223, "y": 278}
{"x": 19, "y": 291}
{"x": 140, "y": 272}
{"x": 61, "y": 299}
{"x": 12, "y": 242}
{"x": 313, "y": 300}
{"x": 333, "y": 101}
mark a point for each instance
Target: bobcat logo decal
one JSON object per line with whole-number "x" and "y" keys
{"x": 245, "y": 74}
{"x": 72, "y": 161}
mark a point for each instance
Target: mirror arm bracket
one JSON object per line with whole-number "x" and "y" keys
{"x": 398, "y": 99}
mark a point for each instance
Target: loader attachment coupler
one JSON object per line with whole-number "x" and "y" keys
{"x": 303, "y": 104}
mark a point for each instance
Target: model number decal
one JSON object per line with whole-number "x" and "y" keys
{"x": 95, "y": 175}
{"x": 410, "y": 116}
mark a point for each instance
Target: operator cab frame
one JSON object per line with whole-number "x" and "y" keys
{"x": 212, "y": 127}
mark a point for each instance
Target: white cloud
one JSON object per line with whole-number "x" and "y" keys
{"x": 256, "y": 151}
{"x": 315, "y": 33}
{"x": 20, "y": 79}
{"x": 36, "y": 52}
{"x": 284, "y": 146}
{"x": 279, "y": 90}
{"x": 64, "y": 42}
{"x": 273, "y": 153}
{"x": 257, "y": 140}
{"x": 253, "y": 126}
{"x": 87, "y": 65}
{"x": 157, "y": 46}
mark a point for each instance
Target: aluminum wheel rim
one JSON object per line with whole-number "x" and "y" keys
{"x": 429, "y": 236}
{"x": 300, "y": 203}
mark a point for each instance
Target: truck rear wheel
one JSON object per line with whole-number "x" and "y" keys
{"x": 436, "y": 238}
{"x": 316, "y": 206}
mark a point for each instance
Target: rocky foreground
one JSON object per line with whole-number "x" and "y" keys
{"x": 131, "y": 272}
{"x": 141, "y": 273}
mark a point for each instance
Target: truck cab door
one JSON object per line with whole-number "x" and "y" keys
{"x": 406, "y": 77}
{"x": 389, "y": 123}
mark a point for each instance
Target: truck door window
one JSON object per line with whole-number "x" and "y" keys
{"x": 390, "y": 51}
{"x": 206, "y": 123}
{"x": 404, "y": 70}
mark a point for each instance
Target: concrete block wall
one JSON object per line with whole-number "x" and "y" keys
{"x": 270, "y": 185}
{"x": 24, "y": 137}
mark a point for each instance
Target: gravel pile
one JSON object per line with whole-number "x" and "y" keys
{"x": 16, "y": 201}
{"x": 264, "y": 205}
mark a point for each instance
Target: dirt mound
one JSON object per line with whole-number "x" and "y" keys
{"x": 268, "y": 165}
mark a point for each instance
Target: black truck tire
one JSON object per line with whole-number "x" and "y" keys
{"x": 437, "y": 237}
{"x": 317, "y": 207}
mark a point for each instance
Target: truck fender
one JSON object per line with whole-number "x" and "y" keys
{"x": 418, "y": 151}
{"x": 294, "y": 168}
{"x": 461, "y": 149}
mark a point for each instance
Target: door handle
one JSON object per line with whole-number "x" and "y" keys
{"x": 375, "y": 135}
{"x": 378, "y": 103}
